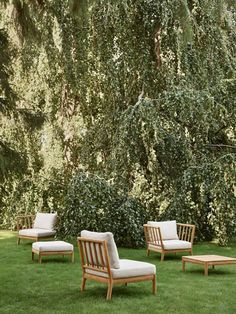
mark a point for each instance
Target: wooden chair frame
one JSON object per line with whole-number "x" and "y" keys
{"x": 26, "y": 222}
{"x": 94, "y": 256}
{"x": 47, "y": 253}
{"x": 153, "y": 236}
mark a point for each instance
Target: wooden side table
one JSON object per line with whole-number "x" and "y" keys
{"x": 207, "y": 260}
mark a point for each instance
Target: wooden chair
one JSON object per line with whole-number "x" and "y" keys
{"x": 36, "y": 227}
{"x": 96, "y": 266}
{"x": 158, "y": 239}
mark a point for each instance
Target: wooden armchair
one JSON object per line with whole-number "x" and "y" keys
{"x": 169, "y": 237}
{"x": 35, "y": 227}
{"x": 99, "y": 264}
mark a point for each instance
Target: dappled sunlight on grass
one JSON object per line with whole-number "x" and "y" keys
{"x": 5, "y": 234}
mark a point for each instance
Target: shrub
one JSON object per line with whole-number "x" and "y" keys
{"x": 126, "y": 223}
{"x": 93, "y": 204}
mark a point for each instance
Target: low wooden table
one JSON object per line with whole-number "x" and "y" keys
{"x": 207, "y": 260}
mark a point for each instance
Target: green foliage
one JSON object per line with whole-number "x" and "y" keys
{"x": 94, "y": 205}
{"x": 11, "y": 159}
{"x": 30, "y": 194}
{"x": 126, "y": 222}
{"x": 7, "y": 95}
{"x": 140, "y": 93}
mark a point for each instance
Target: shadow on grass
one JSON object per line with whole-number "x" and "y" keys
{"x": 168, "y": 258}
{"x": 118, "y": 291}
{"x": 46, "y": 260}
{"x": 211, "y": 272}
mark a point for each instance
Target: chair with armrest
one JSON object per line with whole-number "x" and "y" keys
{"x": 100, "y": 262}
{"x": 39, "y": 227}
{"x": 169, "y": 237}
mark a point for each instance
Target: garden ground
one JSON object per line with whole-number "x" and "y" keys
{"x": 54, "y": 286}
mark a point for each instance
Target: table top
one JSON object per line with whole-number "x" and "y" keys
{"x": 209, "y": 258}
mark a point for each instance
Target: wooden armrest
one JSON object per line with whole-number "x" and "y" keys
{"x": 24, "y": 221}
{"x": 186, "y": 232}
{"x": 187, "y": 225}
{"x": 153, "y": 235}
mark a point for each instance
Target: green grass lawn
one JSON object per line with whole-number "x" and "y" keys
{"x": 54, "y": 286}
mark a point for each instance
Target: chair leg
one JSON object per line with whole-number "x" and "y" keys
{"x": 126, "y": 284}
{"x": 109, "y": 290}
{"x": 162, "y": 256}
{"x": 32, "y": 256}
{"x": 154, "y": 285}
{"x": 18, "y": 240}
{"x": 148, "y": 252}
{"x": 72, "y": 257}
{"x": 191, "y": 252}
{"x": 83, "y": 284}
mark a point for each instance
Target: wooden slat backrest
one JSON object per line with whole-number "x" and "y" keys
{"x": 94, "y": 255}
{"x": 153, "y": 235}
{"x": 25, "y": 221}
{"x": 186, "y": 232}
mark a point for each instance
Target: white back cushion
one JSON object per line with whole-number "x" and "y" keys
{"x": 45, "y": 221}
{"x": 168, "y": 229}
{"x": 111, "y": 245}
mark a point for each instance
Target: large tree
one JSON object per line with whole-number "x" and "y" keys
{"x": 141, "y": 93}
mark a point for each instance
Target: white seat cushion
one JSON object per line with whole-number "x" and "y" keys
{"x": 52, "y": 246}
{"x": 112, "y": 249}
{"x": 176, "y": 245}
{"x": 36, "y": 232}
{"x": 128, "y": 268}
{"x": 173, "y": 245}
{"x": 168, "y": 229}
{"x": 45, "y": 221}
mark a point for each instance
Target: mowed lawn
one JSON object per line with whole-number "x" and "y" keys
{"x": 54, "y": 286}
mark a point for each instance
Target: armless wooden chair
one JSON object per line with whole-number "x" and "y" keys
{"x": 100, "y": 262}
{"x": 39, "y": 227}
{"x": 169, "y": 237}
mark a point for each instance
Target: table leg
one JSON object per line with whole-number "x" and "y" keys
{"x": 206, "y": 269}
{"x": 183, "y": 265}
